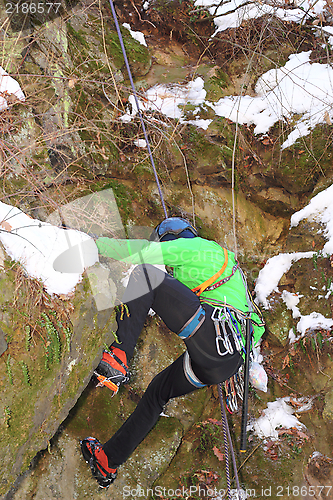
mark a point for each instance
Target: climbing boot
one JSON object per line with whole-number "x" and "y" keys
{"x": 112, "y": 370}
{"x": 94, "y": 456}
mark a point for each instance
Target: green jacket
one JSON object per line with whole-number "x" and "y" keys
{"x": 194, "y": 260}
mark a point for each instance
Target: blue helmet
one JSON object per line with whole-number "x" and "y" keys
{"x": 173, "y": 228}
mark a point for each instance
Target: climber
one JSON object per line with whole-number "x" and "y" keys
{"x": 206, "y": 302}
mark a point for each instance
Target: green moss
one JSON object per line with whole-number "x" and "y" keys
{"x": 137, "y": 54}
{"x": 216, "y": 85}
{"x": 124, "y": 196}
{"x": 78, "y": 36}
{"x": 300, "y": 166}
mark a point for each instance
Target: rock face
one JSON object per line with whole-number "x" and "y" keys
{"x": 318, "y": 474}
{"x": 53, "y": 346}
{"x": 68, "y": 140}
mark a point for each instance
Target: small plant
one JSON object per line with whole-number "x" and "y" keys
{"x": 296, "y": 449}
{"x": 53, "y": 340}
{"x": 320, "y": 339}
{"x": 67, "y": 330}
{"x": 47, "y": 359}
{"x": 301, "y": 343}
{"x": 315, "y": 261}
{"x": 291, "y": 365}
{"x": 25, "y": 372}
{"x": 210, "y": 436}
{"x": 8, "y": 416}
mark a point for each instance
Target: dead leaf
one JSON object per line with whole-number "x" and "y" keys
{"x": 72, "y": 82}
{"x": 218, "y": 454}
{"x": 286, "y": 362}
{"x": 214, "y": 421}
{"x": 5, "y": 225}
{"x": 327, "y": 118}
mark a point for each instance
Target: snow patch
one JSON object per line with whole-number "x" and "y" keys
{"x": 9, "y": 86}
{"x": 36, "y": 245}
{"x": 269, "y": 277}
{"x": 299, "y": 87}
{"x": 137, "y": 35}
{"x": 231, "y": 14}
{"x": 140, "y": 143}
{"x": 319, "y": 209}
{"x": 277, "y": 415}
{"x": 170, "y": 101}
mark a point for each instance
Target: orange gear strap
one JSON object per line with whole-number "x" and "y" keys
{"x": 201, "y": 288}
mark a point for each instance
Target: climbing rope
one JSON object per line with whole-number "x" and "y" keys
{"x": 138, "y": 105}
{"x": 227, "y": 439}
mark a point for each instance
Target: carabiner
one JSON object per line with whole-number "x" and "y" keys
{"x": 227, "y": 343}
{"x": 216, "y": 320}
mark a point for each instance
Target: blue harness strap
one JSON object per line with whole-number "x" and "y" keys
{"x": 193, "y": 324}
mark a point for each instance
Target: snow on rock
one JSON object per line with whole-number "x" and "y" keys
{"x": 277, "y": 415}
{"x": 269, "y": 277}
{"x": 299, "y": 87}
{"x": 36, "y": 245}
{"x": 319, "y": 209}
{"x": 9, "y": 86}
{"x": 291, "y": 300}
{"x": 170, "y": 99}
{"x": 137, "y": 35}
{"x": 313, "y": 321}
{"x": 231, "y": 14}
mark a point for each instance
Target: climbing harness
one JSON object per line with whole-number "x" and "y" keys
{"x": 189, "y": 373}
{"x": 193, "y": 324}
{"x": 201, "y": 288}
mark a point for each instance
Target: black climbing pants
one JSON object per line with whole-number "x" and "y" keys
{"x": 175, "y": 303}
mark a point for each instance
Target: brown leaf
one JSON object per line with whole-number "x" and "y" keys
{"x": 5, "y": 225}
{"x": 72, "y": 82}
{"x": 214, "y": 421}
{"x": 218, "y": 454}
{"x": 286, "y": 362}
{"x": 327, "y": 118}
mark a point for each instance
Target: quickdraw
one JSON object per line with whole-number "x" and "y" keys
{"x": 219, "y": 323}
{"x": 222, "y": 318}
{"x": 234, "y": 388}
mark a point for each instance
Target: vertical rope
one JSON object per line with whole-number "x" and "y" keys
{"x": 233, "y": 189}
{"x": 227, "y": 439}
{"x": 137, "y": 105}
